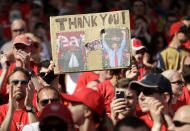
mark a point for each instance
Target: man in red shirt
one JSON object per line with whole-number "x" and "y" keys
{"x": 154, "y": 99}
{"x": 22, "y": 48}
{"x": 180, "y": 95}
{"x": 19, "y": 111}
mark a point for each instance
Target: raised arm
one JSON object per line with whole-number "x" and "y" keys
{"x": 104, "y": 42}
{"x": 4, "y": 64}
{"x": 6, "y": 124}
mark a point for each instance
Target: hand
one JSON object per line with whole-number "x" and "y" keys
{"x": 51, "y": 66}
{"x": 104, "y": 34}
{"x": 28, "y": 102}
{"x": 24, "y": 58}
{"x": 156, "y": 109}
{"x": 117, "y": 106}
{"x": 12, "y": 99}
{"x": 123, "y": 32}
{"x": 132, "y": 72}
{"x": 4, "y": 61}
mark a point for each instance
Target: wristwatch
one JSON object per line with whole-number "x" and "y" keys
{"x": 31, "y": 109}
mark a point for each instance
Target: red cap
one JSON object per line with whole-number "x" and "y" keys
{"x": 89, "y": 97}
{"x": 23, "y": 39}
{"x": 58, "y": 110}
{"x": 136, "y": 44}
{"x": 177, "y": 27}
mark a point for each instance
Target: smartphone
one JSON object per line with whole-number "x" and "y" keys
{"x": 49, "y": 77}
{"x": 119, "y": 94}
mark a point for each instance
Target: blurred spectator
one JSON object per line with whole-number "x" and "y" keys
{"x": 138, "y": 51}
{"x": 87, "y": 108}
{"x": 18, "y": 27}
{"x": 4, "y": 20}
{"x": 131, "y": 124}
{"x": 47, "y": 77}
{"x": 171, "y": 57}
{"x": 70, "y": 7}
{"x": 56, "y": 117}
{"x": 158, "y": 43}
{"x": 45, "y": 96}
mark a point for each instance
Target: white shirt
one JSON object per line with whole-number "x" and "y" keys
{"x": 32, "y": 127}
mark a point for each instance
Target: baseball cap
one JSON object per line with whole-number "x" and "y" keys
{"x": 178, "y": 27}
{"x": 23, "y": 39}
{"x": 153, "y": 81}
{"x": 56, "y": 110}
{"x": 89, "y": 97}
{"x": 136, "y": 44}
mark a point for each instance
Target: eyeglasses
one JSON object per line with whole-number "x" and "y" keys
{"x": 18, "y": 30}
{"x": 46, "y": 101}
{"x": 179, "y": 123}
{"x": 149, "y": 92}
{"x": 178, "y": 82}
{"x": 22, "y": 82}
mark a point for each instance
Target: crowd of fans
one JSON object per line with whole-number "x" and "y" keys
{"x": 151, "y": 94}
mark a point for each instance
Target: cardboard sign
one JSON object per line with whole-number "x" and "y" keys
{"x": 89, "y": 42}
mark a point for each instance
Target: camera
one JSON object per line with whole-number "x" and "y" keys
{"x": 119, "y": 94}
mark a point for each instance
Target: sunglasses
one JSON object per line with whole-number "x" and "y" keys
{"x": 179, "y": 82}
{"x": 179, "y": 123}
{"x": 22, "y": 82}
{"x": 18, "y": 30}
{"x": 149, "y": 92}
{"x": 20, "y": 47}
{"x": 46, "y": 101}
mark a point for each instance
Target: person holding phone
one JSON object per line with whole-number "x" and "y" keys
{"x": 125, "y": 101}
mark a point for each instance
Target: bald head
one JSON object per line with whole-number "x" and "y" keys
{"x": 169, "y": 74}
{"x": 18, "y": 27}
{"x": 182, "y": 114}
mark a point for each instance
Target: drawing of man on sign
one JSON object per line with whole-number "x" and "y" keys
{"x": 114, "y": 45}
{"x": 70, "y": 51}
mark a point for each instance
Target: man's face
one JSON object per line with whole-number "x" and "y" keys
{"x": 114, "y": 46}
{"x": 47, "y": 96}
{"x": 17, "y": 28}
{"x": 177, "y": 85}
{"x": 183, "y": 36}
{"x": 131, "y": 101}
{"x": 77, "y": 111}
{"x": 19, "y": 48}
{"x": 146, "y": 96}
{"x": 19, "y": 81}
{"x": 138, "y": 8}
